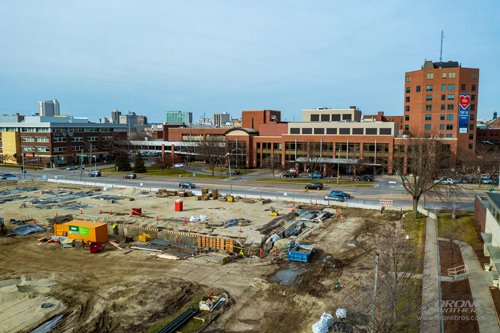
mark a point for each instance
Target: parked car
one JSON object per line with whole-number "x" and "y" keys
{"x": 289, "y": 175}
{"x": 233, "y": 173}
{"x": 95, "y": 173}
{"x": 187, "y": 185}
{"x": 130, "y": 176}
{"x": 314, "y": 186}
{"x": 179, "y": 165}
{"x": 342, "y": 194}
{"x": 445, "y": 181}
{"x": 364, "y": 178}
{"x": 334, "y": 197}
{"x": 315, "y": 175}
{"x": 73, "y": 167}
{"x": 8, "y": 176}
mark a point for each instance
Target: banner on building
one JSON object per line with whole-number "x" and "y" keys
{"x": 463, "y": 117}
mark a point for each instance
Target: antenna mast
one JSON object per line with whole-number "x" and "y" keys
{"x": 441, "y": 50}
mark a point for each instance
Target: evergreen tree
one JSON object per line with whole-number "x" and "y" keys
{"x": 122, "y": 161}
{"x": 139, "y": 166}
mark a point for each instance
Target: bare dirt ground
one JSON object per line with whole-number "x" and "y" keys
{"x": 115, "y": 291}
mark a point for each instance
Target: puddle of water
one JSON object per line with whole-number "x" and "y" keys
{"x": 48, "y": 325}
{"x": 289, "y": 275}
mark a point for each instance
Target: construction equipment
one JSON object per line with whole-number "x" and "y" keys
{"x": 273, "y": 212}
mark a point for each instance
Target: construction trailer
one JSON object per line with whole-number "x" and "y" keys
{"x": 87, "y": 231}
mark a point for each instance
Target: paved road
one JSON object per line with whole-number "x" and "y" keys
{"x": 386, "y": 187}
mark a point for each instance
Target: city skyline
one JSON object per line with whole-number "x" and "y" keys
{"x": 232, "y": 56}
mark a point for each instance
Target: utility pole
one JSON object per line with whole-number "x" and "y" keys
{"x": 22, "y": 162}
{"x": 374, "y": 300}
{"x": 81, "y": 164}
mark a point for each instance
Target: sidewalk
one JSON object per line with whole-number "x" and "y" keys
{"x": 479, "y": 286}
{"x": 430, "y": 283}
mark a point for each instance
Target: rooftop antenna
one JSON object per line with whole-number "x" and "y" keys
{"x": 441, "y": 50}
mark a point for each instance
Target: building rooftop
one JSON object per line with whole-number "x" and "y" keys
{"x": 494, "y": 198}
{"x": 428, "y": 64}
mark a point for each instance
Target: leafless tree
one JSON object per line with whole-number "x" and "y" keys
{"x": 212, "y": 151}
{"x": 427, "y": 164}
{"x": 167, "y": 161}
{"x": 272, "y": 162}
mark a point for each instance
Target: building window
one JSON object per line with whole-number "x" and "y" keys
{"x": 315, "y": 117}
{"x": 348, "y": 116}
{"x": 407, "y": 99}
{"x": 307, "y": 131}
{"x": 471, "y": 127}
{"x": 417, "y": 89}
{"x": 294, "y": 130}
{"x": 428, "y": 117}
{"x": 474, "y": 76}
{"x": 407, "y": 90}
{"x": 443, "y": 106}
{"x": 451, "y": 87}
{"x": 345, "y": 131}
{"x": 473, "y": 87}
{"x": 407, "y": 108}
{"x": 471, "y": 145}
{"x": 59, "y": 139}
{"x": 358, "y": 131}
{"x": 472, "y": 97}
{"x": 407, "y": 127}
{"x": 430, "y": 76}
{"x": 444, "y": 75}
{"x": 443, "y": 87}
{"x": 407, "y": 118}
{"x": 58, "y": 149}
{"x": 428, "y": 97}
{"x": 471, "y": 136}
{"x": 449, "y": 135}
{"x": 449, "y": 127}
{"x": 450, "y": 117}
{"x": 319, "y": 131}
{"x": 331, "y": 131}
{"x": 43, "y": 149}
{"x": 371, "y": 131}
{"x": 335, "y": 117}
{"x": 428, "y": 107}
{"x": 451, "y": 75}
{"x": 408, "y": 78}
{"x": 385, "y": 131}
{"x": 451, "y": 97}
{"x": 451, "y": 107}
{"x": 443, "y": 97}
{"x": 471, "y": 117}
{"x": 325, "y": 117}
{"x": 427, "y": 127}
{"x": 441, "y": 127}
{"x": 473, "y": 107}
{"x": 428, "y": 88}
{"x": 463, "y": 87}
{"x": 441, "y": 117}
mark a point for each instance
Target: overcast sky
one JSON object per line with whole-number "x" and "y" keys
{"x": 227, "y": 56}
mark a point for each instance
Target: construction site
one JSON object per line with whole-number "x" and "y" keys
{"x": 93, "y": 259}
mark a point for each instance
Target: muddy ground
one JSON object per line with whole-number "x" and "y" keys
{"x": 115, "y": 291}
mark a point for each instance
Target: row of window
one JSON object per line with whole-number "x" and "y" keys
{"x": 444, "y": 75}
{"x": 35, "y": 139}
{"x": 334, "y": 117}
{"x": 342, "y": 131}
{"x": 444, "y": 87}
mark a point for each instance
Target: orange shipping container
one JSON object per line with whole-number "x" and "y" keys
{"x": 84, "y": 230}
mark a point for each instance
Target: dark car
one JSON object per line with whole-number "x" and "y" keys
{"x": 187, "y": 185}
{"x": 130, "y": 176}
{"x": 233, "y": 173}
{"x": 95, "y": 173}
{"x": 364, "y": 178}
{"x": 315, "y": 175}
{"x": 341, "y": 193}
{"x": 314, "y": 186}
{"x": 334, "y": 197}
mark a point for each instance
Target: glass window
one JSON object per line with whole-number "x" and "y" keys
{"x": 344, "y": 131}
{"x": 471, "y": 117}
{"x": 430, "y": 76}
{"x": 471, "y": 127}
{"x": 319, "y": 131}
{"x": 428, "y": 88}
{"x": 294, "y": 130}
{"x": 428, "y": 107}
{"x": 335, "y": 117}
{"x": 407, "y": 108}
{"x": 428, "y": 117}
{"x": 474, "y": 75}
{"x": 473, "y": 107}
{"x": 443, "y": 97}
{"x": 471, "y": 146}
{"x": 473, "y": 87}
{"x": 315, "y": 117}
{"x": 449, "y": 135}
{"x": 428, "y": 97}
{"x": 417, "y": 89}
{"x": 407, "y": 118}
{"x": 427, "y": 127}
{"x": 451, "y": 107}
{"x": 407, "y": 127}
{"x": 358, "y": 131}
{"x": 385, "y": 131}
{"x": 325, "y": 117}
{"x": 472, "y": 97}
{"x": 449, "y": 126}
{"x": 463, "y": 87}
{"x": 372, "y": 131}
{"x": 451, "y": 97}
{"x": 444, "y": 75}
{"x": 443, "y": 87}
{"x": 407, "y": 99}
{"x": 348, "y": 116}
{"x": 407, "y": 90}
{"x": 441, "y": 127}
{"x": 451, "y": 87}
{"x": 441, "y": 117}
{"x": 450, "y": 117}
{"x": 451, "y": 75}
{"x": 408, "y": 78}
{"x": 307, "y": 131}
{"x": 443, "y": 106}
{"x": 331, "y": 131}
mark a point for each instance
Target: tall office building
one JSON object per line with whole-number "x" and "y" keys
{"x": 179, "y": 118}
{"x": 115, "y": 116}
{"x": 49, "y": 108}
{"x": 441, "y": 99}
{"x": 221, "y": 119}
